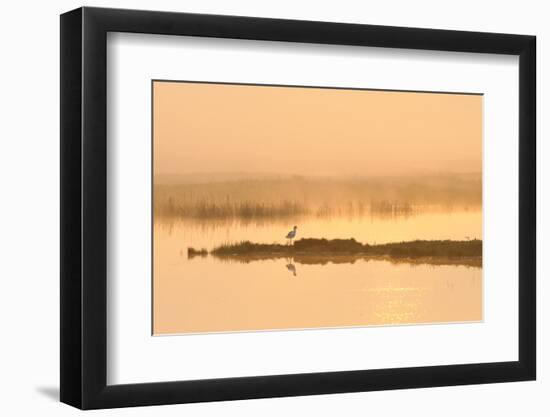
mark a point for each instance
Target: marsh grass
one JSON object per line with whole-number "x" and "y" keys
{"x": 416, "y": 248}
{"x": 294, "y": 197}
{"x": 322, "y": 251}
{"x": 205, "y": 209}
{"x": 192, "y": 252}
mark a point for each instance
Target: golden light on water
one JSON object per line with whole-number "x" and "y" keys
{"x": 208, "y": 295}
{"x": 235, "y": 163}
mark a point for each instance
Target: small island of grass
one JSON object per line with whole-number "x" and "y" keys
{"x": 320, "y": 251}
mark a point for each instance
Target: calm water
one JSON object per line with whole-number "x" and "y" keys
{"x": 205, "y": 294}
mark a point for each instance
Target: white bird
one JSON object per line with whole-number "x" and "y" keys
{"x": 291, "y": 234}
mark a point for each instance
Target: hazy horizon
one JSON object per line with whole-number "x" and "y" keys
{"x": 237, "y": 175}
{"x": 221, "y": 128}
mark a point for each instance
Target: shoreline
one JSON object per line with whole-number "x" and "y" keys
{"x": 323, "y": 251}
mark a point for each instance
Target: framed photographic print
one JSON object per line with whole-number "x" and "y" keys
{"x": 257, "y": 207}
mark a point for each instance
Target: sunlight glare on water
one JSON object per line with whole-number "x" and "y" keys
{"x": 204, "y": 294}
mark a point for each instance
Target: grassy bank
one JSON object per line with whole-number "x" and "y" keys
{"x": 467, "y": 252}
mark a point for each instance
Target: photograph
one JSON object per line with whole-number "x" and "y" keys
{"x": 282, "y": 207}
{"x": 270, "y": 204}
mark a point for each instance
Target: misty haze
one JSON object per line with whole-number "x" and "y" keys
{"x": 289, "y": 208}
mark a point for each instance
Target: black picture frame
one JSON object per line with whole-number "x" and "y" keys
{"x": 84, "y": 207}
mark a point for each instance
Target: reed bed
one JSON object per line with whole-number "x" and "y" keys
{"x": 416, "y": 248}
{"x": 191, "y": 252}
{"x": 322, "y": 251}
{"x": 286, "y": 198}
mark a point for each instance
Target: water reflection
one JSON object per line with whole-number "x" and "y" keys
{"x": 291, "y": 267}
{"x": 200, "y": 293}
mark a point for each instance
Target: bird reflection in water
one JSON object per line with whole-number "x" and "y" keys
{"x": 291, "y": 267}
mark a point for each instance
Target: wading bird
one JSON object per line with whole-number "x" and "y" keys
{"x": 291, "y": 234}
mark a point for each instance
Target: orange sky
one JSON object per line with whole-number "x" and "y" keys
{"x": 216, "y": 128}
